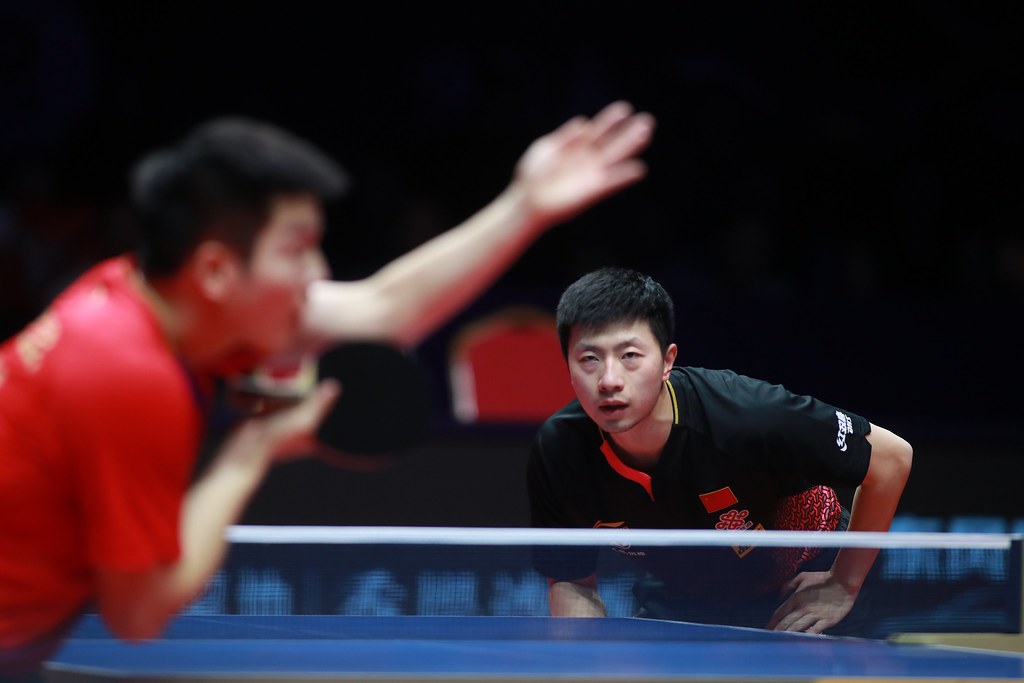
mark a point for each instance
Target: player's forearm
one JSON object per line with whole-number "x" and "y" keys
{"x": 560, "y": 175}
{"x": 872, "y": 510}
{"x": 874, "y": 503}
{"x": 569, "y": 599}
{"x": 137, "y": 606}
{"x": 216, "y": 501}
{"x": 413, "y": 295}
{"x": 219, "y": 497}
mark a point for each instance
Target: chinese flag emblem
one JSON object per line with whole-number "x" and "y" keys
{"x": 718, "y": 500}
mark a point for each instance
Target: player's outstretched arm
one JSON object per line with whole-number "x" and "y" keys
{"x": 822, "y": 599}
{"x": 560, "y": 175}
{"x": 137, "y": 605}
{"x": 575, "y": 598}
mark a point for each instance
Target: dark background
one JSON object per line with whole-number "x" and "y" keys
{"x": 834, "y": 197}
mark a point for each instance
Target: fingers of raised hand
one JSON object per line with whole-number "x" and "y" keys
{"x": 618, "y": 133}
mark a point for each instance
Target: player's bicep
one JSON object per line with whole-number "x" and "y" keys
{"x": 878, "y": 496}
{"x": 891, "y": 458}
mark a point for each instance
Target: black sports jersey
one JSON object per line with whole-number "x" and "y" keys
{"x": 740, "y": 452}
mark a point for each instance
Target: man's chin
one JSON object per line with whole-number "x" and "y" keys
{"x": 612, "y": 426}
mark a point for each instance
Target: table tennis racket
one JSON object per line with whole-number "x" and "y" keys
{"x": 385, "y": 404}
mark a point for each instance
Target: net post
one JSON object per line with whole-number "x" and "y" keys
{"x": 1006, "y": 642}
{"x": 1016, "y": 574}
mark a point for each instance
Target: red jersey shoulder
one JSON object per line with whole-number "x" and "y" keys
{"x": 105, "y": 324}
{"x": 99, "y": 340}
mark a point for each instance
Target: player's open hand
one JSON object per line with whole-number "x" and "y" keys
{"x": 818, "y": 602}
{"x": 583, "y": 161}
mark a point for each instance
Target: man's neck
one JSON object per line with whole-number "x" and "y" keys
{"x": 162, "y": 311}
{"x": 178, "y": 319}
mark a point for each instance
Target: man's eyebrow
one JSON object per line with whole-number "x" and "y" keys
{"x": 632, "y": 341}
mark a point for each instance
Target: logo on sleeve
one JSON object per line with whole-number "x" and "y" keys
{"x": 845, "y": 427}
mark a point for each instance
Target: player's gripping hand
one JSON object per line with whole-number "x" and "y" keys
{"x": 290, "y": 432}
{"x": 818, "y": 602}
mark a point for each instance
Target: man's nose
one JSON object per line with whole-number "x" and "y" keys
{"x": 611, "y": 377}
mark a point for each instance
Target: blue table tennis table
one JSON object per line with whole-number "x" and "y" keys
{"x": 465, "y": 648}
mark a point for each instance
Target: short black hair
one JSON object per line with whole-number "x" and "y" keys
{"x": 218, "y": 182}
{"x": 615, "y": 295}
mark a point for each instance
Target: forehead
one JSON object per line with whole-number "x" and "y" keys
{"x": 290, "y": 214}
{"x": 613, "y": 334}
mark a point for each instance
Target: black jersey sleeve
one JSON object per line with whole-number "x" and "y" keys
{"x": 556, "y": 494}
{"x": 801, "y": 439}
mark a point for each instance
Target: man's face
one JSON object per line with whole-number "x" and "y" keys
{"x": 286, "y": 258}
{"x": 617, "y": 373}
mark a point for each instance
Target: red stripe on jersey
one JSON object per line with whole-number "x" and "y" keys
{"x": 625, "y": 470}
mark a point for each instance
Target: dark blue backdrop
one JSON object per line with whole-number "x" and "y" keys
{"x": 834, "y": 197}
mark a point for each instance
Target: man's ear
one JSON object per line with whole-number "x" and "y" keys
{"x": 216, "y": 269}
{"x": 670, "y": 359}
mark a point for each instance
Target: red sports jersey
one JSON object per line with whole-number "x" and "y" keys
{"x": 99, "y": 427}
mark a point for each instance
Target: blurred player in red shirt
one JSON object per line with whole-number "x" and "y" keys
{"x": 103, "y": 398}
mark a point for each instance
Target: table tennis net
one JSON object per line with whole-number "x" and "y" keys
{"x": 920, "y": 582}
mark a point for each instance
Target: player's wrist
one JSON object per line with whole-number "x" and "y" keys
{"x": 248, "y": 448}
{"x": 521, "y": 212}
{"x": 850, "y": 581}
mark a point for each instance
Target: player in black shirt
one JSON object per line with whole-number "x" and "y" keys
{"x": 650, "y": 445}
